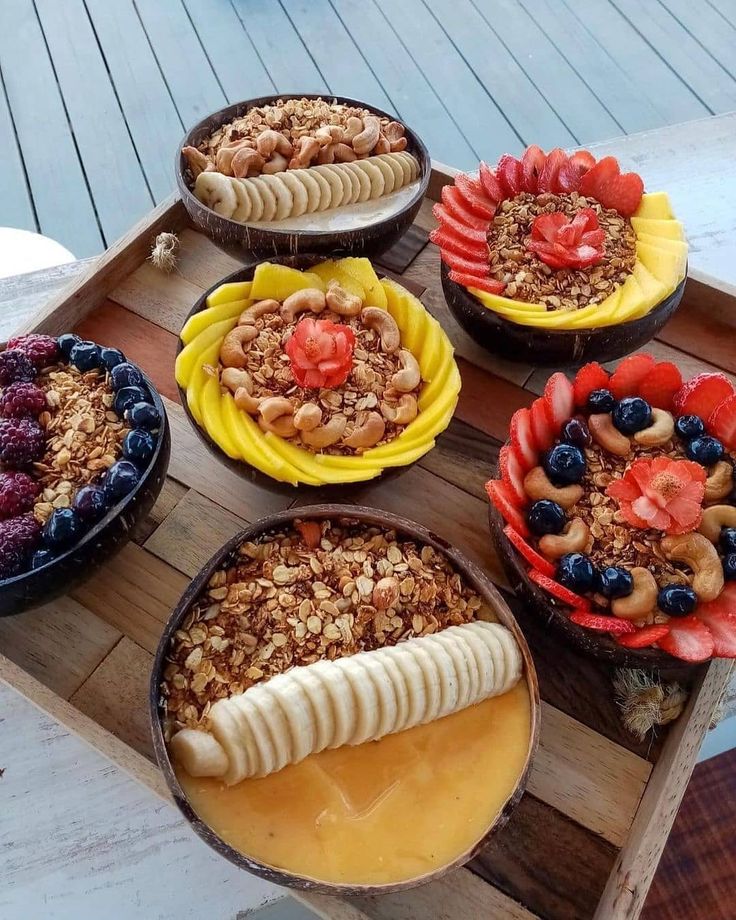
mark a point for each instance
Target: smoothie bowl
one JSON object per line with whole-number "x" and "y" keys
{"x": 342, "y": 702}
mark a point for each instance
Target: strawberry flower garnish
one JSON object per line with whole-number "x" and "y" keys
{"x": 561, "y": 242}
{"x": 663, "y": 494}
{"x": 321, "y": 353}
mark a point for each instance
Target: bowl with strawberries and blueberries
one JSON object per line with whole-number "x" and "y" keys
{"x": 614, "y": 511}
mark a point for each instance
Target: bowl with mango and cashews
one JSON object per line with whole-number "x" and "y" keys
{"x": 308, "y": 372}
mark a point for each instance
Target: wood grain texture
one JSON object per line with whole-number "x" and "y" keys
{"x": 167, "y": 500}
{"x": 463, "y": 455}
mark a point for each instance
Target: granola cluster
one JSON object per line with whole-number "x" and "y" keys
{"x": 320, "y": 590}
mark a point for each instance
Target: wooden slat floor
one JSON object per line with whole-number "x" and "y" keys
{"x": 95, "y": 95}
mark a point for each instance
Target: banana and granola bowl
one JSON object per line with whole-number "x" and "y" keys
{"x": 341, "y": 702}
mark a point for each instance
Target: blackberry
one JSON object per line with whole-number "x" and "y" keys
{"x": 43, "y": 350}
{"x": 18, "y": 537}
{"x": 22, "y": 399}
{"x": 14, "y": 365}
{"x": 22, "y": 442}
{"x": 17, "y": 493}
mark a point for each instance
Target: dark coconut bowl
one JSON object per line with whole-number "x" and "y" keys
{"x": 370, "y": 240}
{"x": 474, "y": 577}
{"x": 100, "y": 542}
{"x": 552, "y": 347}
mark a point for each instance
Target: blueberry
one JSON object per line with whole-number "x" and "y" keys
{"x": 576, "y": 432}
{"x": 139, "y": 446}
{"x": 90, "y": 503}
{"x": 565, "y": 464}
{"x": 689, "y": 427}
{"x": 85, "y": 356}
{"x": 111, "y": 357}
{"x": 546, "y": 516}
{"x": 601, "y": 401}
{"x": 128, "y": 397}
{"x": 67, "y": 342}
{"x": 632, "y": 414}
{"x": 728, "y": 540}
{"x": 576, "y": 572}
{"x": 143, "y": 415}
{"x": 125, "y": 375}
{"x": 677, "y": 600}
{"x": 705, "y": 450}
{"x": 121, "y": 479}
{"x": 62, "y": 528}
{"x": 615, "y": 582}
{"x": 729, "y": 567}
{"x": 42, "y": 557}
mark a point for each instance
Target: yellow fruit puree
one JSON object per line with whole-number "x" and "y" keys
{"x": 381, "y": 812}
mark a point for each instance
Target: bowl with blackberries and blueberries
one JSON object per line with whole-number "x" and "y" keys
{"x": 84, "y": 447}
{"x": 614, "y": 511}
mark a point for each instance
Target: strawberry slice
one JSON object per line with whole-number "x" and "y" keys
{"x": 456, "y": 204}
{"x": 498, "y": 493}
{"x": 529, "y": 553}
{"x": 688, "y": 639}
{"x": 590, "y": 377}
{"x": 629, "y": 375}
{"x": 604, "y": 170}
{"x": 583, "y": 158}
{"x": 552, "y": 165}
{"x": 522, "y": 439}
{"x": 473, "y": 281}
{"x": 622, "y": 193}
{"x": 570, "y": 174}
{"x": 612, "y": 625}
{"x": 547, "y": 226}
{"x": 702, "y": 393}
{"x": 509, "y": 174}
{"x": 490, "y": 183}
{"x": 719, "y": 616}
{"x": 446, "y": 238}
{"x": 542, "y": 429}
{"x": 660, "y": 385}
{"x": 470, "y": 265}
{"x": 532, "y": 163}
{"x": 645, "y": 636}
{"x": 512, "y": 473}
{"x": 722, "y": 422}
{"x": 560, "y": 399}
{"x": 475, "y": 197}
{"x": 559, "y": 591}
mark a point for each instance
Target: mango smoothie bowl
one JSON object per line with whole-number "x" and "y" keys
{"x": 316, "y": 377}
{"x": 555, "y": 259}
{"x": 342, "y": 702}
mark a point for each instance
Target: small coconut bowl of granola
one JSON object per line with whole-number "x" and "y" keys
{"x": 84, "y": 447}
{"x": 558, "y": 260}
{"x": 315, "y": 373}
{"x": 291, "y": 174}
{"x": 326, "y": 694}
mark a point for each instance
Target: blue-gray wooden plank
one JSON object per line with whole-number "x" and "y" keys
{"x": 416, "y": 102}
{"x": 231, "y": 52}
{"x": 335, "y": 53}
{"x": 484, "y": 125}
{"x": 283, "y": 53}
{"x": 16, "y": 208}
{"x": 183, "y": 62}
{"x": 149, "y": 110}
{"x": 713, "y": 30}
{"x": 55, "y": 175}
{"x": 726, "y": 8}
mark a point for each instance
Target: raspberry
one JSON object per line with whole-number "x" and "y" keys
{"x": 17, "y": 493}
{"x": 18, "y": 536}
{"x": 22, "y": 399}
{"x": 14, "y": 365}
{"x": 41, "y": 349}
{"x": 22, "y": 442}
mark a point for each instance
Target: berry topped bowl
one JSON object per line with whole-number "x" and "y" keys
{"x": 615, "y": 512}
{"x": 554, "y": 259}
{"x": 84, "y": 446}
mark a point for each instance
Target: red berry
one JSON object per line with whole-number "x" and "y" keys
{"x": 560, "y": 399}
{"x": 448, "y": 239}
{"x": 43, "y": 350}
{"x": 688, "y": 639}
{"x": 22, "y": 442}
{"x": 453, "y": 200}
{"x": 490, "y": 285}
{"x": 18, "y": 536}
{"x": 17, "y": 493}
{"x": 489, "y": 182}
{"x": 583, "y": 158}
{"x": 469, "y": 265}
{"x": 552, "y": 166}
{"x": 660, "y": 385}
{"x": 569, "y": 176}
{"x": 643, "y": 637}
{"x": 14, "y": 365}
{"x": 532, "y": 163}
{"x": 612, "y": 625}
{"x": 522, "y": 439}
{"x": 543, "y": 431}
{"x": 606, "y": 184}
{"x": 559, "y": 591}
{"x": 603, "y": 170}
{"x": 629, "y": 375}
{"x": 475, "y": 197}
{"x": 499, "y": 494}
{"x": 509, "y": 174}
{"x": 512, "y": 473}
{"x": 719, "y": 616}
{"x": 590, "y": 377}
{"x": 701, "y": 394}
{"x": 722, "y": 422}
{"x": 529, "y": 553}
{"x": 461, "y": 229}
{"x": 22, "y": 399}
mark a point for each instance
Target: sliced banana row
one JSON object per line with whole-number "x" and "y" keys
{"x": 351, "y": 700}
{"x": 304, "y": 191}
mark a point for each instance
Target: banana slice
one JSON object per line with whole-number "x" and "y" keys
{"x": 298, "y": 190}
{"x": 375, "y": 176}
{"x": 244, "y": 734}
{"x": 267, "y": 196}
{"x": 492, "y": 638}
{"x": 411, "y": 162}
{"x": 258, "y": 729}
{"x": 325, "y": 200}
{"x": 244, "y": 207}
{"x": 312, "y": 188}
{"x": 403, "y": 164}
{"x": 401, "y": 691}
{"x": 387, "y": 696}
{"x": 200, "y": 753}
{"x": 432, "y": 682}
{"x": 321, "y": 704}
{"x": 270, "y": 753}
{"x": 334, "y": 182}
{"x": 447, "y": 668}
{"x": 363, "y": 181}
{"x": 389, "y": 181}
{"x": 347, "y": 185}
{"x": 293, "y": 700}
{"x": 215, "y": 191}
{"x": 275, "y": 720}
{"x": 343, "y": 701}
{"x": 352, "y": 179}
{"x": 416, "y": 687}
{"x": 366, "y": 697}
{"x": 256, "y": 202}
{"x": 226, "y": 729}
{"x": 462, "y": 666}
{"x": 284, "y": 198}
{"x": 485, "y": 661}
{"x": 510, "y": 653}
{"x": 400, "y": 177}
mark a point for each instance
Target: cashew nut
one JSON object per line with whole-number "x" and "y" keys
{"x": 246, "y": 160}
{"x": 270, "y": 141}
{"x": 307, "y": 417}
{"x": 344, "y": 154}
{"x": 276, "y": 164}
{"x": 327, "y": 434}
{"x": 353, "y": 128}
{"x": 367, "y": 433}
{"x": 659, "y": 432}
{"x": 277, "y": 415}
{"x": 232, "y": 352}
{"x": 326, "y": 154}
{"x": 196, "y": 160}
{"x": 720, "y": 481}
{"x": 697, "y": 552}
{"x": 224, "y": 157}
{"x": 642, "y": 600}
{"x": 382, "y": 145}
{"x": 307, "y": 299}
{"x": 394, "y": 132}
{"x": 246, "y": 402}
{"x": 307, "y": 149}
{"x": 330, "y": 134}
{"x": 610, "y": 438}
{"x": 386, "y": 593}
{"x": 573, "y": 539}
{"x": 239, "y": 382}
{"x": 341, "y": 302}
{"x": 409, "y": 377}
{"x": 714, "y": 518}
{"x": 385, "y": 325}
{"x": 256, "y": 310}
{"x": 537, "y": 485}
{"x": 368, "y": 137}
{"x": 405, "y": 412}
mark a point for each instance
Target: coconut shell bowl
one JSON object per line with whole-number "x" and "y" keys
{"x": 185, "y": 723}
{"x": 388, "y": 383}
{"x": 557, "y": 260}
{"x": 293, "y": 174}
{"x": 84, "y": 445}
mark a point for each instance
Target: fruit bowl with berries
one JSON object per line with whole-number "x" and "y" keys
{"x": 557, "y": 259}
{"x": 84, "y": 447}
{"x": 614, "y": 512}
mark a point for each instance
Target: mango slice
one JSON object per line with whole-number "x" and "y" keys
{"x": 675, "y": 247}
{"x": 331, "y": 270}
{"x": 604, "y": 316}
{"x": 310, "y": 470}
{"x": 496, "y": 302}
{"x": 667, "y": 267}
{"x": 655, "y": 204}
{"x": 279, "y": 281}
{"x": 198, "y": 379}
{"x": 211, "y": 409}
{"x": 652, "y": 291}
{"x": 363, "y": 272}
{"x": 187, "y": 358}
{"x": 395, "y": 301}
{"x": 233, "y": 290}
{"x": 200, "y": 321}
{"x": 670, "y": 229}
{"x": 248, "y": 439}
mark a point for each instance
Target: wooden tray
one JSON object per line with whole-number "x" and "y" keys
{"x": 588, "y": 834}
